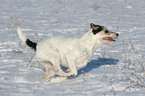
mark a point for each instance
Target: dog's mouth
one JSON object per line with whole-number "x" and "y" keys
{"x": 108, "y": 39}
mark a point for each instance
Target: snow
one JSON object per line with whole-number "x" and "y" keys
{"x": 117, "y": 69}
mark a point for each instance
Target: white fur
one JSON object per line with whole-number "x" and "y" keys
{"x": 21, "y": 35}
{"x": 73, "y": 53}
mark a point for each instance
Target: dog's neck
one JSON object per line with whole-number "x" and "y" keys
{"x": 90, "y": 40}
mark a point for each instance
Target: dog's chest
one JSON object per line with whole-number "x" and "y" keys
{"x": 82, "y": 58}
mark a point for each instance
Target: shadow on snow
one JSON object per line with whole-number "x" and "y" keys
{"x": 93, "y": 64}
{"x": 97, "y": 63}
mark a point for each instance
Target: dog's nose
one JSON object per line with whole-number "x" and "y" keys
{"x": 117, "y": 34}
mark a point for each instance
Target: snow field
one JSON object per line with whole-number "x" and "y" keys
{"x": 114, "y": 70}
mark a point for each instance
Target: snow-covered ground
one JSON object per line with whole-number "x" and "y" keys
{"x": 114, "y": 70}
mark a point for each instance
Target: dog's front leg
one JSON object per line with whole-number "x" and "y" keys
{"x": 73, "y": 70}
{"x": 60, "y": 72}
{"x": 70, "y": 73}
{"x": 72, "y": 67}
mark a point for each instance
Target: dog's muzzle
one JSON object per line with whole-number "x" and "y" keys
{"x": 112, "y": 37}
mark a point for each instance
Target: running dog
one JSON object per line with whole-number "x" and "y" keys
{"x": 73, "y": 53}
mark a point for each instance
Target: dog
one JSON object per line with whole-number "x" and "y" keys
{"x": 73, "y": 53}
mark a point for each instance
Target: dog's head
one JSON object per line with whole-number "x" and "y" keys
{"x": 104, "y": 34}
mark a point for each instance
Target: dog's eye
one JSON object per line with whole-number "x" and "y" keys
{"x": 106, "y": 31}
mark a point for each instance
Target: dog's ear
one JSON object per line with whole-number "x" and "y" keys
{"x": 96, "y": 28}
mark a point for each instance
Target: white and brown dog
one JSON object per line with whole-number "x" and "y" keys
{"x": 73, "y": 53}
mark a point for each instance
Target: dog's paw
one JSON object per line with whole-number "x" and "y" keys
{"x": 67, "y": 71}
{"x": 58, "y": 79}
{"x": 71, "y": 76}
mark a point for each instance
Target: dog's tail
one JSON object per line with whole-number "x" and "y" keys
{"x": 25, "y": 40}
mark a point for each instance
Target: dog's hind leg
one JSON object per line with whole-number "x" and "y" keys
{"x": 49, "y": 72}
{"x": 52, "y": 70}
{"x": 57, "y": 68}
{"x": 60, "y": 72}
{"x": 58, "y": 79}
